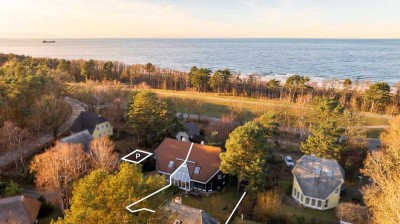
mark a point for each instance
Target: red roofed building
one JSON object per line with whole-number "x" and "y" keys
{"x": 200, "y": 172}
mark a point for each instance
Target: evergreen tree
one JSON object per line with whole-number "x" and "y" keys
{"x": 378, "y": 96}
{"x": 323, "y": 140}
{"x": 200, "y": 78}
{"x": 153, "y": 119}
{"x": 245, "y": 155}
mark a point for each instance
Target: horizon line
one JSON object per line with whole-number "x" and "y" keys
{"x": 298, "y": 38}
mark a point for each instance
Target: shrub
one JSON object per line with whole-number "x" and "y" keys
{"x": 12, "y": 189}
{"x": 289, "y": 190}
{"x": 267, "y": 203}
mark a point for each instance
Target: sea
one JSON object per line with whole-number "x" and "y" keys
{"x": 365, "y": 60}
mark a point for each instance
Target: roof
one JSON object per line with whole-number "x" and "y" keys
{"x": 191, "y": 128}
{"x": 317, "y": 185}
{"x": 19, "y": 209}
{"x": 86, "y": 121}
{"x": 204, "y": 156}
{"x": 83, "y": 137}
{"x": 191, "y": 215}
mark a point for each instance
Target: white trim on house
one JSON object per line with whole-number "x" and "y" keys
{"x": 323, "y": 201}
{"x": 340, "y": 186}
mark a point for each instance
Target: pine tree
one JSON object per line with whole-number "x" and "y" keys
{"x": 245, "y": 155}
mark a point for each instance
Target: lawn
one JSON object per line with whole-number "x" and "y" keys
{"x": 219, "y": 204}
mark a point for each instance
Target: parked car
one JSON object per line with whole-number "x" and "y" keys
{"x": 343, "y": 191}
{"x": 289, "y": 161}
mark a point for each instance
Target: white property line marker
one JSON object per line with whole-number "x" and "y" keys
{"x": 134, "y": 152}
{"x": 156, "y": 192}
{"x": 144, "y": 209}
{"x": 237, "y": 205}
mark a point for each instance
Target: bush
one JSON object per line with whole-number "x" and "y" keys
{"x": 289, "y": 190}
{"x": 12, "y": 189}
{"x": 267, "y": 204}
{"x": 353, "y": 213}
{"x": 173, "y": 189}
{"x": 299, "y": 219}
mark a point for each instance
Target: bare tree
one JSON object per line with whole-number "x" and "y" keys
{"x": 50, "y": 113}
{"x": 57, "y": 168}
{"x": 103, "y": 156}
{"x": 20, "y": 137}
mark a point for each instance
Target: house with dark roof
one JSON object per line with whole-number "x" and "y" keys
{"x": 188, "y": 215}
{"x": 19, "y": 209}
{"x": 199, "y": 173}
{"x": 95, "y": 124}
{"x": 190, "y": 132}
{"x": 83, "y": 137}
{"x": 317, "y": 182}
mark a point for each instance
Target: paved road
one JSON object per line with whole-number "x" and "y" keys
{"x": 32, "y": 147}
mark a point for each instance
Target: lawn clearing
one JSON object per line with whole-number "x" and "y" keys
{"x": 219, "y": 205}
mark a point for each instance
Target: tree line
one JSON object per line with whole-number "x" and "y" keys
{"x": 361, "y": 96}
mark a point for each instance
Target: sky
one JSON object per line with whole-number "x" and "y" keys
{"x": 200, "y": 19}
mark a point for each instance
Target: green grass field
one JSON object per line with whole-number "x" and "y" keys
{"x": 214, "y": 105}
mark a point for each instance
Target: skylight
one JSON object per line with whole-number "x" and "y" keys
{"x": 196, "y": 170}
{"x": 171, "y": 164}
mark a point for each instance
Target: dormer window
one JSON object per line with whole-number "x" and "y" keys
{"x": 171, "y": 164}
{"x": 196, "y": 170}
{"x": 318, "y": 170}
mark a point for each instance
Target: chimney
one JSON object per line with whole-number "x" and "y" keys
{"x": 202, "y": 142}
{"x": 178, "y": 200}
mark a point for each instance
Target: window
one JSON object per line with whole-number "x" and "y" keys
{"x": 171, "y": 164}
{"x": 313, "y": 202}
{"x": 297, "y": 195}
{"x": 319, "y": 204}
{"x": 102, "y": 126}
{"x": 106, "y": 125}
{"x": 307, "y": 200}
{"x": 326, "y": 203}
{"x": 219, "y": 176}
{"x": 301, "y": 198}
{"x": 196, "y": 170}
{"x": 98, "y": 128}
{"x": 330, "y": 173}
{"x": 294, "y": 192}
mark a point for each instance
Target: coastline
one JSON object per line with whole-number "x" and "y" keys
{"x": 319, "y": 59}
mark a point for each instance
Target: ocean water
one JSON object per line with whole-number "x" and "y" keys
{"x": 364, "y": 60}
